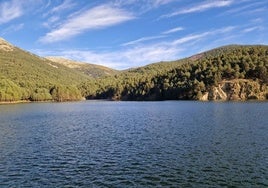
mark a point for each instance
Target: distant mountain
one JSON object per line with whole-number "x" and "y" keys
{"x": 25, "y": 76}
{"x": 88, "y": 69}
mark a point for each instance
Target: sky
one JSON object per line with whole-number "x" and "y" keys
{"x": 123, "y": 34}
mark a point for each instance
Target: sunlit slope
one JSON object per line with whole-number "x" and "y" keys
{"x": 88, "y": 69}
{"x": 32, "y": 75}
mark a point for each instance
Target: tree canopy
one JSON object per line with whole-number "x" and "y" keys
{"x": 184, "y": 79}
{"x": 24, "y": 76}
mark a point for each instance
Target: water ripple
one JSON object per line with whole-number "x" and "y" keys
{"x": 129, "y": 144}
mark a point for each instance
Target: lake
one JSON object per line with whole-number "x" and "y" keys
{"x": 134, "y": 144}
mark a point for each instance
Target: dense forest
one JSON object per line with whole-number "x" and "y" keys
{"x": 25, "y": 76}
{"x": 189, "y": 78}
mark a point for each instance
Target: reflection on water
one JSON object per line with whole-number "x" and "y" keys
{"x": 134, "y": 144}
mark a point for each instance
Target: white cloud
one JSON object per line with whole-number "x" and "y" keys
{"x": 157, "y": 3}
{"x": 250, "y": 29}
{"x": 13, "y": 9}
{"x": 176, "y": 29}
{"x": 201, "y": 7}
{"x": 142, "y": 54}
{"x": 123, "y": 59}
{"x": 143, "y": 39}
{"x": 257, "y": 20}
{"x": 10, "y": 10}
{"x": 67, "y": 4}
{"x": 50, "y": 22}
{"x": 142, "y": 6}
{"x": 190, "y": 38}
{"x": 12, "y": 28}
{"x": 162, "y": 35}
{"x": 148, "y": 3}
{"x": 54, "y": 11}
{"x": 196, "y": 37}
{"x": 246, "y": 9}
{"x": 96, "y": 18}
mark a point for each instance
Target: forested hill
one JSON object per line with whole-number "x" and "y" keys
{"x": 25, "y": 76}
{"x": 236, "y": 72}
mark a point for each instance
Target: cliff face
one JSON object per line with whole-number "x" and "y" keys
{"x": 239, "y": 89}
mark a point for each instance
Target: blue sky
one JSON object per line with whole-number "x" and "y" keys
{"x": 129, "y": 33}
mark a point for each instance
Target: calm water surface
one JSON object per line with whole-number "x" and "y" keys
{"x": 134, "y": 144}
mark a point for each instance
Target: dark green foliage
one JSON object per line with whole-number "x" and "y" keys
{"x": 185, "y": 79}
{"x": 65, "y": 93}
{"x": 40, "y": 94}
{"x": 24, "y": 76}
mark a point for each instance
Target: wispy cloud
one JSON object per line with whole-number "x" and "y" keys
{"x": 53, "y": 10}
{"x": 140, "y": 53}
{"x": 55, "y": 13}
{"x": 201, "y": 7}
{"x": 257, "y": 21}
{"x": 199, "y": 36}
{"x": 66, "y": 4}
{"x": 142, "y": 3}
{"x": 12, "y": 28}
{"x": 14, "y": 9}
{"x": 244, "y": 9}
{"x": 157, "y": 3}
{"x": 125, "y": 58}
{"x": 250, "y": 29}
{"x": 10, "y": 10}
{"x": 142, "y": 6}
{"x": 190, "y": 37}
{"x": 96, "y": 18}
{"x": 162, "y": 35}
{"x": 50, "y": 22}
{"x": 176, "y": 29}
{"x": 143, "y": 39}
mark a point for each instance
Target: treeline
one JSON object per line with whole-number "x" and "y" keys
{"x": 189, "y": 79}
{"x": 9, "y": 91}
{"x": 24, "y": 76}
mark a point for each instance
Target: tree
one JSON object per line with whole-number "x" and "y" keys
{"x": 9, "y": 91}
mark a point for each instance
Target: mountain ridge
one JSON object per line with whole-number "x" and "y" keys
{"x": 88, "y": 69}
{"x": 233, "y": 72}
{"x": 193, "y": 78}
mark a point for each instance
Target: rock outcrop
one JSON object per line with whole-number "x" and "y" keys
{"x": 238, "y": 89}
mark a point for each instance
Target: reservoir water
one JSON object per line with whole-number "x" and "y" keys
{"x": 134, "y": 144}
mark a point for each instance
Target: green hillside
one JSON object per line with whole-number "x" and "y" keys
{"x": 235, "y": 72}
{"x": 25, "y": 76}
{"x": 238, "y": 72}
{"x": 91, "y": 70}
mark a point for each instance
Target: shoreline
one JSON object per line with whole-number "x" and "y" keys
{"x": 14, "y": 102}
{"x": 221, "y": 101}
